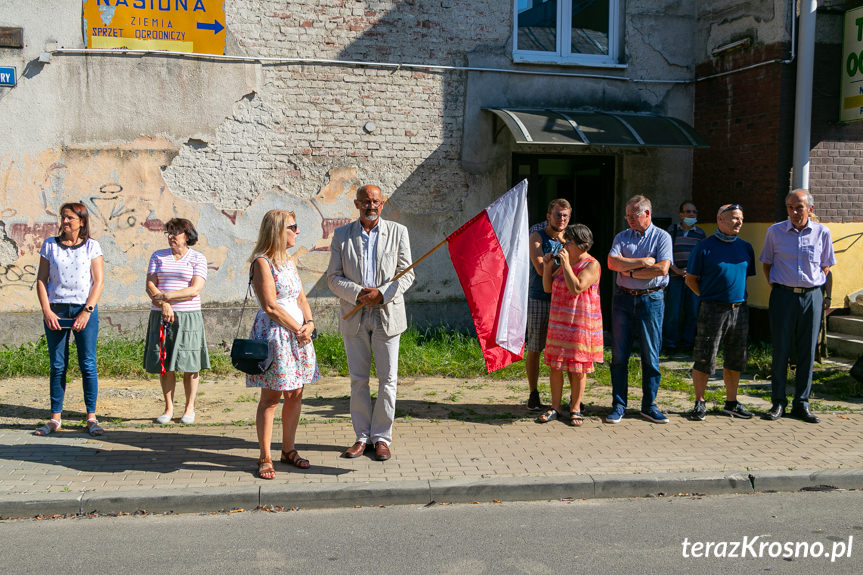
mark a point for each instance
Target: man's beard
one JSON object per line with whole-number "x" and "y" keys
{"x": 371, "y": 217}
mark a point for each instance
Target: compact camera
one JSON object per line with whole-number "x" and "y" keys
{"x": 554, "y": 253}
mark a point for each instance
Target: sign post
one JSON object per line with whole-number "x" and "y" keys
{"x": 170, "y": 25}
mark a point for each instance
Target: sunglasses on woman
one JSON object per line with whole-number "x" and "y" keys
{"x": 293, "y": 228}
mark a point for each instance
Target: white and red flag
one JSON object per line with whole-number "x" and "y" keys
{"x": 491, "y": 257}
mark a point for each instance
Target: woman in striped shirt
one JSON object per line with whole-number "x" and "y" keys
{"x": 175, "y": 334}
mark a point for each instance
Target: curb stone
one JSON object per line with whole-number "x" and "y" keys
{"x": 424, "y": 492}
{"x": 512, "y": 489}
{"x": 794, "y": 480}
{"x": 330, "y": 495}
{"x": 181, "y": 500}
{"x": 33, "y": 504}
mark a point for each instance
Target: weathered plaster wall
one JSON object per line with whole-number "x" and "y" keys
{"x": 763, "y": 22}
{"x": 141, "y": 139}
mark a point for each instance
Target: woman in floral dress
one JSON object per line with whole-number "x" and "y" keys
{"x": 574, "y": 339}
{"x": 285, "y": 321}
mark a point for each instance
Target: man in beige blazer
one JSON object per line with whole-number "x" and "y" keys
{"x": 365, "y": 256}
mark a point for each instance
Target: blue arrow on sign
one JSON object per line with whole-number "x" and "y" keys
{"x": 215, "y": 26}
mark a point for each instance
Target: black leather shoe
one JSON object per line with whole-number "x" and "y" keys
{"x": 803, "y": 414}
{"x": 775, "y": 413}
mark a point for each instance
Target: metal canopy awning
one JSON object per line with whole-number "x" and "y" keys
{"x": 597, "y": 128}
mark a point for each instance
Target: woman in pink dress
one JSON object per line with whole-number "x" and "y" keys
{"x": 574, "y": 340}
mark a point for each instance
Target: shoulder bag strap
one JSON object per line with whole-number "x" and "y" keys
{"x": 246, "y": 299}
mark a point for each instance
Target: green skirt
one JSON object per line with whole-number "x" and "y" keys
{"x": 185, "y": 343}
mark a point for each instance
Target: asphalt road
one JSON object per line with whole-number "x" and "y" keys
{"x": 649, "y": 535}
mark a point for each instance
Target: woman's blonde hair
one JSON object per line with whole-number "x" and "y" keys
{"x": 271, "y": 236}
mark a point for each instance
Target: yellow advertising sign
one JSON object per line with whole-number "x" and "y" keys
{"x": 173, "y": 25}
{"x": 851, "y": 108}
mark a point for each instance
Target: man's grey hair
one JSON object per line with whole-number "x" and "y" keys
{"x": 640, "y": 203}
{"x": 806, "y": 195}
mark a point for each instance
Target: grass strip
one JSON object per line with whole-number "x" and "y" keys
{"x": 433, "y": 352}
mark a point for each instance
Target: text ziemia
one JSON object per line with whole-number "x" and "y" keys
{"x": 772, "y": 549}
{"x": 163, "y": 5}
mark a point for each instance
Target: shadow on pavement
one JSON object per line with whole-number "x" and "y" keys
{"x": 155, "y": 452}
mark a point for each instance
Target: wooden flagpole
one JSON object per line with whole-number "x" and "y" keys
{"x": 406, "y": 270}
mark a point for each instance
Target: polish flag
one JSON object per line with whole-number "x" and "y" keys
{"x": 491, "y": 257}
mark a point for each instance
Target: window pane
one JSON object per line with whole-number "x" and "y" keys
{"x": 537, "y": 25}
{"x": 589, "y": 27}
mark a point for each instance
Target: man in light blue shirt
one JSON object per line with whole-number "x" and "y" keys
{"x": 641, "y": 257}
{"x": 797, "y": 255}
{"x": 370, "y": 255}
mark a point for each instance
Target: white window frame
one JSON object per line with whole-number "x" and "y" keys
{"x": 564, "y": 40}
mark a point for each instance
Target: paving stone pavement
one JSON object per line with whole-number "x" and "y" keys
{"x": 132, "y": 461}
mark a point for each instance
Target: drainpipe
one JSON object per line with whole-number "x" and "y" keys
{"x": 803, "y": 95}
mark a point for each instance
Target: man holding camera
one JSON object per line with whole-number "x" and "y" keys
{"x": 542, "y": 241}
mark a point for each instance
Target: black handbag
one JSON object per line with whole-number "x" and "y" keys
{"x": 250, "y": 356}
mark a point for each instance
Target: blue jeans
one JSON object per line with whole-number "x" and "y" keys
{"x": 58, "y": 354}
{"x": 681, "y": 308}
{"x": 795, "y": 320}
{"x": 631, "y": 314}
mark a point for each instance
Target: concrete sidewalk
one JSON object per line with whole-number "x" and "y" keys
{"x": 209, "y": 468}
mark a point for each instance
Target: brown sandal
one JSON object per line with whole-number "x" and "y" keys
{"x": 293, "y": 457}
{"x": 266, "y": 469}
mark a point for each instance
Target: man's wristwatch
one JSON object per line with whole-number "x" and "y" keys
{"x": 90, "y": 308}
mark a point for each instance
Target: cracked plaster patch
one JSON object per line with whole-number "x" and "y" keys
{"x": 127, "y": 199}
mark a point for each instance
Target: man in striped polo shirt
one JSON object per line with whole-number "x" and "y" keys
{"x": 681, "y": 304}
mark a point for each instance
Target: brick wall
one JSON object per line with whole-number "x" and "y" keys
{"x": 306, "y": 119}
{"x": 749, "y": 126}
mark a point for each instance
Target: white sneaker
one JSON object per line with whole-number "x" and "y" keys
{"x": 165, "y": 418}
{"x": 188, "y": 418}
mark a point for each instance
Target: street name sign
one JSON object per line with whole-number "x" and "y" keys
{"x": 8, "y": 76}
{"x": 171, "y": 25}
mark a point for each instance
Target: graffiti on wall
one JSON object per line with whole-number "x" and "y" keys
{"x": 129, "y": 201}
{"x": 109, "y": 206}
{"x": 14, "y": 276}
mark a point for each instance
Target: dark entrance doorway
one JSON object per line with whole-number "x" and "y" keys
{"x": 587, "y": 182}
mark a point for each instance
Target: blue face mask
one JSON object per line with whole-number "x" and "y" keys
{"x": 690, "y": 221}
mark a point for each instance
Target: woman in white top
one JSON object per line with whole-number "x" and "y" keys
{"x": 175, "y": 333}
{"x": 68, "y": 284}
